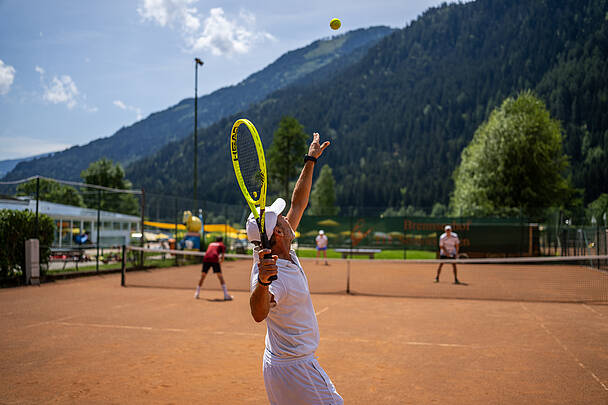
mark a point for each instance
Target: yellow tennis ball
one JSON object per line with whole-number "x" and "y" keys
{"x": 335, "y": 23}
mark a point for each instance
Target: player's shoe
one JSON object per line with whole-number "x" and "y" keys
{"x": 456, "y": 281}
{"x": 228, "y": 298}
{"x": 196, "y": 295}
{"x": 436, "y": 279}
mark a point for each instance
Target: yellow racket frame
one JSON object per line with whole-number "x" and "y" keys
{"x": 261, "y": 201}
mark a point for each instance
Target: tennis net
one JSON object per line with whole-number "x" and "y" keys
{"x": 542, "y": 279}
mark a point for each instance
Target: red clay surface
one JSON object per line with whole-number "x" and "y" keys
{"x": 91, "y": 341}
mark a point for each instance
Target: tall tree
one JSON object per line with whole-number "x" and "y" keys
{"x": 514, "y": 162}
{"x": 323, "y": 195}
{"x": 598, "y": 209}
{"x": 52, "y": 191}
{"x": 105, "y": 173}
{"x": 286, "y": 152}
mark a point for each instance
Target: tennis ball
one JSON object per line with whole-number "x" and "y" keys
{"x": 335, "y": 23}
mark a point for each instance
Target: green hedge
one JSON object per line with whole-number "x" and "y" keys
{"x": 15, "y": 228}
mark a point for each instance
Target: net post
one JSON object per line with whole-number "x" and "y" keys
{"x": 123, "y": 267}
{"x": 347, "y": 276}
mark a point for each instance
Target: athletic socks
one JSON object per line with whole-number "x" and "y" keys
{"x": 227, "y": 296}
{"x": 198, "y": 291}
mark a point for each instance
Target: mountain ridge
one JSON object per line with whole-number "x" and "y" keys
{"x": 146, "y": 136}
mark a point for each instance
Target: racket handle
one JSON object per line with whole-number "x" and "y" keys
{"x": 271, "y": 278}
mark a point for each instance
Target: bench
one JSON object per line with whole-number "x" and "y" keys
{"x": 366, "y": 252}
{"x": 65, "y": 255}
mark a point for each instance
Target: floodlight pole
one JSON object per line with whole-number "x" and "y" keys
{"x": 197, "y": 62}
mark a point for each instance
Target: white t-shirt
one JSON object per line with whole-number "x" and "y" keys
{"x": 291, "y": 326}
{"x": 448, "y": 245}
{"x": 321, "y": 241}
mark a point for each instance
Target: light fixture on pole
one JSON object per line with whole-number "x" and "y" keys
{"x": 197, "y": 62}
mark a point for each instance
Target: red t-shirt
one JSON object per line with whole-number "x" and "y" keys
{"x": 212, "y": 255}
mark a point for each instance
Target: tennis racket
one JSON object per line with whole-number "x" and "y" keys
{"x": 250, "y": 169}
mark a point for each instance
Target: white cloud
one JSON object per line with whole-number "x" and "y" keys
{"x": 63, "y": 90}
{"x": 120, "y": 104}
{"x": 171, "y": 12}
{"x": 123, "y": 106}
{"x": 221, "y": 35}
{"x": 7, "y": 75}
{"x": 217, "y": 33}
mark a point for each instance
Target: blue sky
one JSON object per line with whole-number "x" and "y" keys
{"x": 73, "y": 71}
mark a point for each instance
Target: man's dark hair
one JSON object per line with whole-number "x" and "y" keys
{"x": 219, "y": 239}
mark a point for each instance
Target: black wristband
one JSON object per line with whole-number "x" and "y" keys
{"x": 311, "y": 158}
{"x": 263, "y": 283}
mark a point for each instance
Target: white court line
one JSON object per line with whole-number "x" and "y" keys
{"x": 592, "y": 310}
{"x": 397, "y": 342}
{"x": 65, "y": 318}
{"x": 219, "y": 332}
{"x": 563, "y": 346}
{"x": 321, "y": 311}
{"x": 100, "y": 325}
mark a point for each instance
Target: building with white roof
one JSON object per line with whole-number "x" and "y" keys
{"x": 70, "y": 221}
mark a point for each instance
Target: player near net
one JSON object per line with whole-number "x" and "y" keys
{"x": 213, "y": 258}
{"x": 448, "y": 249}
{"x": 292, "y": 375}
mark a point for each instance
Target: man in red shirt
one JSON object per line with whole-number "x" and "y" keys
{"x": 213, "y": 257}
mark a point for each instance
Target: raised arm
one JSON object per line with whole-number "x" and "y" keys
{"x": 301, "y": 192}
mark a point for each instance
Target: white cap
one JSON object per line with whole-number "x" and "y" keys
{"x": 447, "y": 228}
{"x": 270, "y": 221}
{"x": 321, "y": 232}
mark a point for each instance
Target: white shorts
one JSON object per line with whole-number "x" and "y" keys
{"x": 300, "y": 381}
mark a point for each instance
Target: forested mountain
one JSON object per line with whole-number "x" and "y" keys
{"x": 399, "y": 119}
{"x": 9, "y": 164}
{"x": 152, "y": 133}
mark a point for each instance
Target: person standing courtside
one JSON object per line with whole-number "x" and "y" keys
{"x": 448, "y": 249}
{"x": 321, "y": 241}
{"x": 214, "y": 256}
{"x": 292, "y": 375}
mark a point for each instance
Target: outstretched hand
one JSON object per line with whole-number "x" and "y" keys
{"x": 316, "y": 149}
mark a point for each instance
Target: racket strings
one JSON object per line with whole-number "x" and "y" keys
{"x": 249, "y": 163}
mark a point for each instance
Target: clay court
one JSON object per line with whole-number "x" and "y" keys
{"x": 491, "y": 341}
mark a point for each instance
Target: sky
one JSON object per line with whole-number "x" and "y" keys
{"x": 72, "y": 71}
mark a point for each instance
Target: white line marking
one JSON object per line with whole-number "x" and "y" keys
{"x": 51, "y": 321}
{"x": 321, "y": 311}
{"x": 219, "y": 332}
{"x": 563, "y": 346}
{"x": 396, "y": 342}
{"x": 100, "y": 325}
{"x": 592, "y": 310}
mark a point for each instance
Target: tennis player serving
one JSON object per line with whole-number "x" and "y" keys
{"x": 292, "y": 375}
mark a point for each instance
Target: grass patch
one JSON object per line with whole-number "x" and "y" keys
{"x": 385, "y": 254}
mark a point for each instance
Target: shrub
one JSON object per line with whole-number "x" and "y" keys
{"x": 15, "y": 228}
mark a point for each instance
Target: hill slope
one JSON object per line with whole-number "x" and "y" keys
{"x": 152, "y": 133}
{"x": 399, "y": 119}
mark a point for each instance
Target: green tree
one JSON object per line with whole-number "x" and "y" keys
{"x": 52, "y": 191}
{"x": 439, "y": 210}
{"x": 514, "y": 162}
{"x": 323, "y": 195}
{"x": 286, "y": 152}
{"x": 105, "y": 173}
{"x": 598, "y": 208}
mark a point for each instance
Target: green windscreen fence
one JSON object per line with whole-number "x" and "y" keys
{"x": 479, "y": 237}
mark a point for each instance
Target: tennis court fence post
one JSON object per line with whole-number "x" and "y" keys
{"x": 123, "y": 265}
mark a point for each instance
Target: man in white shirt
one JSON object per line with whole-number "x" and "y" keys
{"x": 321, "y": 241}
{"x": 448, "y": 249}
{"x": 292, "y": 375}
